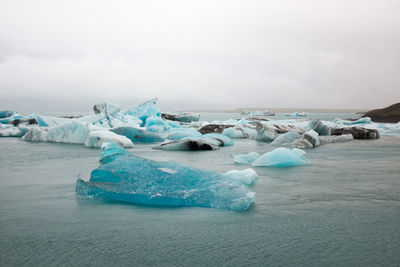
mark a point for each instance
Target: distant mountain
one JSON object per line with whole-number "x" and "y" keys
{"x": 388, "y": 114}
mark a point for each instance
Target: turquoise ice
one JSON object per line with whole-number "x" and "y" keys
{"x": 124, "y": 177}
{"x": 138, "y": 134}
{"x": 282, "y": 157}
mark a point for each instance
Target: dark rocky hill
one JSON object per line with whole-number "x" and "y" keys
{"x": 388, "y": 114}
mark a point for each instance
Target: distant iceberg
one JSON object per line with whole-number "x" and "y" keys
{"x": 192, "y": 144}
{"x": 125, "y": 177}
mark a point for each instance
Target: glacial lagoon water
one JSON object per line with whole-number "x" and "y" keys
{"x": 344, "y": 209}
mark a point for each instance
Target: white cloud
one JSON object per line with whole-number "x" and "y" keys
{"x": 200, "y": 54}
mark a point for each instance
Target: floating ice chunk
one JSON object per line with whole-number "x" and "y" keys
{"x": 320, "y": 127}
{"x": 281, "y": 157}
{"x": 183, "y": 117}
{"x": 72, "y": 132}
{"x": 108, "y": 108}
{"x": 313, "y": 137}
{"x": 247, "y": 176}
{"x": 365, "y": 120}
{"x": 179, "y": 133}
{"x": 144, "y": 111}
{"x": 124, "y": 177}
{"x": 220, "y": 137}
{"x": 286, "y": 138}
{"x": 233, "y": 133}
{"x": 357, "y": 132}
{"x": 309, "y": 140}
{"x": 192, "y": 144}
{"x": 213, "y": 128}
{"x": 138, "y": 134}
{"x": 335, "y": 138}
{"x": 48, "y": 121}
{"x": 246, "y": 159}
{"x": 97, "y": 137}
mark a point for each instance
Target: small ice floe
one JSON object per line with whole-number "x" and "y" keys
{"x": 282, "y": 157}
{"x": 279, "y": 157}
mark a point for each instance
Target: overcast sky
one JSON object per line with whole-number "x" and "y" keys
{"x": 69, "y": 55}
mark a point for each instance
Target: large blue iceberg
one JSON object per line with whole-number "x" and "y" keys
{"x": 122, "y": 176}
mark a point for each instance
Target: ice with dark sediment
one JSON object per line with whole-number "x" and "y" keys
{"x": 124, "y": 177}
{"x": 226, "y": 141}
{"x": 143, "y": 123}
{"x": 192, "y": 144}
{"x": 242, "y": 131}
{"x": 182, "y": 117}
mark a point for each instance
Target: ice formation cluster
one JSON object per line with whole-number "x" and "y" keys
{"x": 183, "y": 131}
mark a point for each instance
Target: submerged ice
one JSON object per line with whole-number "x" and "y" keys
{"x": 124, "y": 177}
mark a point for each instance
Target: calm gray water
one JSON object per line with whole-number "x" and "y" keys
{"x": 342, "y": 210}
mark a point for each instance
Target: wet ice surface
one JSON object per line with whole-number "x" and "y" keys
{"x": 342, "y": 210}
